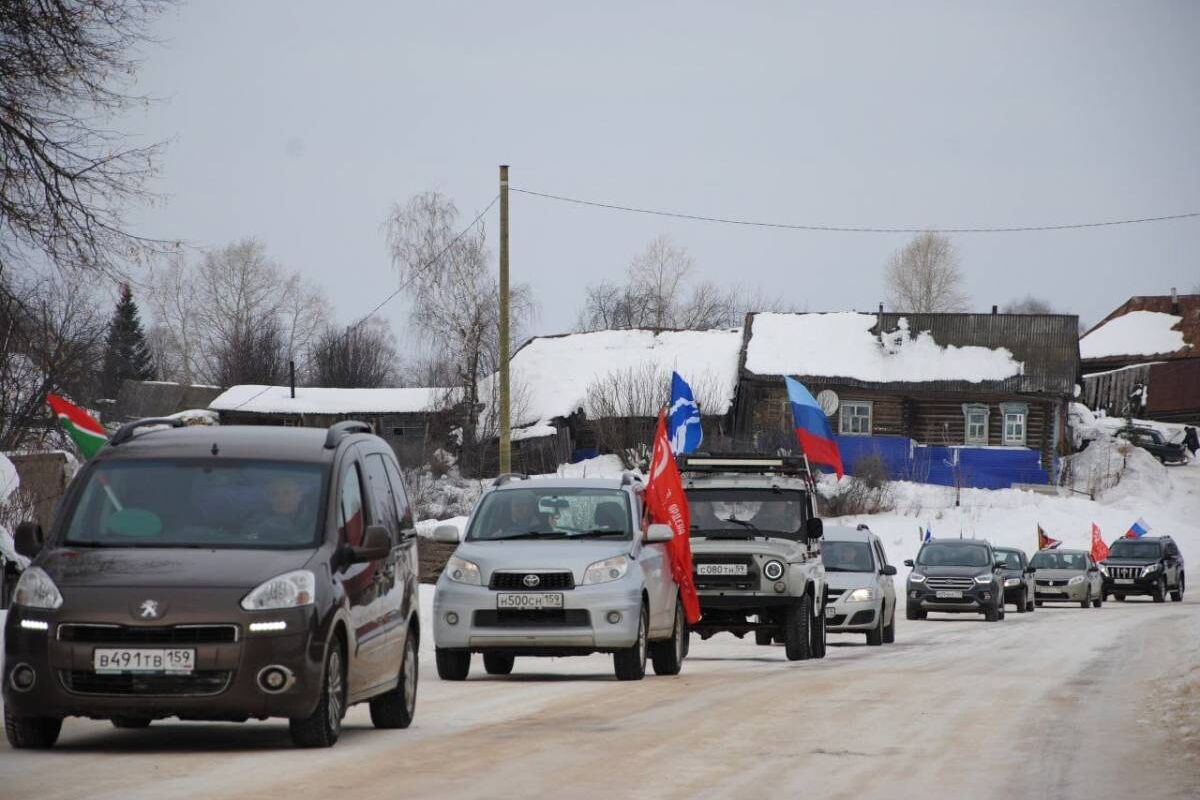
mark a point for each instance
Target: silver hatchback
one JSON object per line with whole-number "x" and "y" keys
{"x": 1067, "y": 576}
{"x": 555, "y": 567}
{"x": 861, "y": 592}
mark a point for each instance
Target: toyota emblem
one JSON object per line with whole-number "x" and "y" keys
{"x": 531, "y": 581}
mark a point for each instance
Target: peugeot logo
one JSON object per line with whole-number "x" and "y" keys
{"x": 531, "y": 581}
{"x": 149, "y": 609}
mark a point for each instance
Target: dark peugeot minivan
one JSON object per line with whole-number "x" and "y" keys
{"x": 219, "y": 573}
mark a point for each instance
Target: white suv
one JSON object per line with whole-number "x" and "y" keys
{"x": 861, "y": 595}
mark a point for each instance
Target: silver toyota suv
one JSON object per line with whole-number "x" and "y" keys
{"x": 756, "y": 550}
{"x": 862, "y": 594}
{"x": 556, "y": 567}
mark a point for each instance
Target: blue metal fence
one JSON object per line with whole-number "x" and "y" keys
{"x": 976, "y": 467}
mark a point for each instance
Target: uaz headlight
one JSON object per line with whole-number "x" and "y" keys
{"x": 773, "y": 570}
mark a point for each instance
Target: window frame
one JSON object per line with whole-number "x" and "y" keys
{"x": 843, "y": 418}
{"x": 353, "y": 467}
{"x": 1020, "y": 410}
{"x": 970, "y": 409}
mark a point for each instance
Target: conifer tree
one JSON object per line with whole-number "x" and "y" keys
{"x": 126, "y": 354}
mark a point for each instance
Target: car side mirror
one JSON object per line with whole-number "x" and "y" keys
{"x": 446, "y": 534}
{"x": 1093, "y": 569}
{"x": 908, "y": 562}
{"x": 888, "y": 569}
{"x": 28, "y": 539}
{"x": 814, "y": 528}
{"x": 377, "y": 544}
{"x": 1030, "y": 570}
{"x": 659, "y": 533}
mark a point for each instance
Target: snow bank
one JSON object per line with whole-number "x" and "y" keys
{"x": 316, "y": 400}
{"x": 1138, "y": 333}
{"x": 9, "y": 483}
{"x": 426, "y": 527}
{"x": 551, "y": 374}
{"x": 197, "y": 416}
{"x": 842, "y": 345}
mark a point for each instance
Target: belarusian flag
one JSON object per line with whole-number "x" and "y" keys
{"x": 85, "y": 431}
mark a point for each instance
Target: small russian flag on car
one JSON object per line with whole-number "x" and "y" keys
{"x": 1138, "y": 529}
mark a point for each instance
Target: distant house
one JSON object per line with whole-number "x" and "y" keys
{"x": 141, "y": 399}
{"x": 956, "y": 399}
{"x": 579, "y": 394}
{"x": 412, "y": 420}
{"x": 1149, "y": 343}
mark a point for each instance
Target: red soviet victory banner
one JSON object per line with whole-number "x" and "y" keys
{"x": 1099, "y": 548}
{"x": 668, "y": 504}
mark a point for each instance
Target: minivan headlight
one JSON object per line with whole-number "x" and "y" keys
{"x": 289, "y": 590}
{"x": 460, "y": 570}
{"x": 36, "y": 590}
{"x": 610, "y": 569}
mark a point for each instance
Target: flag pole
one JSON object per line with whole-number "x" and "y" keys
{"x": 505, "y": 421}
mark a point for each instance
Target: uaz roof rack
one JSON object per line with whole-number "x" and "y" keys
{"x": 744, "y": 462}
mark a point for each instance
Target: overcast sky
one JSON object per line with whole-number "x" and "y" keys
{"x": 300, "y": 123}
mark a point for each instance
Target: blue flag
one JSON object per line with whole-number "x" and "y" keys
{"x": 928, "y": 532}
{"x": 683, "y": 418}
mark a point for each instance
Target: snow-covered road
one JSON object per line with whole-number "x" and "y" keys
{"x": 1061, "y": 703}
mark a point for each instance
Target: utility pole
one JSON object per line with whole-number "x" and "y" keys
{"x": 505, "y": 422}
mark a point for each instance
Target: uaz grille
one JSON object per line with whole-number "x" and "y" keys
{"x": 524, "y": 581}
{"x": 1124, "y": 573}
{"x": 197, "y": 684}
{"x": 949, "y": 583}
{"x": 135, "y": 634}
{"x": 555, "y": 618}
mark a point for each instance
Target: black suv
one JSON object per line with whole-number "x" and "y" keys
{"x": 957, "y": 576}
{"x": 1019, "y": 588}
{"x": 219, "y": 573}
{"x": 1150, "y": 565}
{"x": 1155, "y": 444}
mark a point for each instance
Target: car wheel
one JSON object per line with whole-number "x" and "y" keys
{"x": 1037, "y": 603}
{"x": 453, "y": 665}
{"x": 817, "y": 627}
{"x": 131, "y": 723}
{"x": 875, "y": 635}
{"x": 1160, "y": 591}
{"x": 1120, "y": 598}
{"x": 395, "y": 709}
{"x": 1001, "y": 611}
{"x": 1177, "y": 593}
{"x": 1029, "y": 604}
{"x": 1087, "y": 599}
{"x": 1098, "y": 601}
{"x": 991, "y": 614}
{"x": 31, "y": 733}
{"x": 668, "y": 655}
{"x": 914, "y": 613}
{"x": 630, "y": 664}
{"x": 1020, "y": 604}
{"x": 889, "y": 630}
{"x": 323, "y": 727}
{"x": 763, "y": 636}
{"x": 797, "y": 641}
{"x": 498, "y": 663}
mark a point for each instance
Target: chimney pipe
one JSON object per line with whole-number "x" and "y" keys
{"x": 1174, "y": 301}
{"x": 995, "y": 309}
{"x": 292, "y": 377}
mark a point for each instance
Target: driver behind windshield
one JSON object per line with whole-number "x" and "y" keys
{"x": 286, "y": 510}
{"x": 521, "y": 516}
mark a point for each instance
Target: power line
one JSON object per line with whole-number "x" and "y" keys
{"x": 436, "y": 258}
{"x": 849, "y": 228}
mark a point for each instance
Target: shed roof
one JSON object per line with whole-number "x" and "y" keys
{"x": 1144, "y": 326}
{"x": 956, "y": 353}
{"x": 259, "y": 399}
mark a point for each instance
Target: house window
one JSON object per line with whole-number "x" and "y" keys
{"x": 1015, "y": 415}
{"x": 408, "y": 432}
{"x": 855, "y": 418}
{"x": 975, "y": 423}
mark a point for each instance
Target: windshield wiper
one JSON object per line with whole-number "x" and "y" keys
{"x": 596, "y": 532}
{"x": 529, "y": 535}
{"x": 744, "y": 523}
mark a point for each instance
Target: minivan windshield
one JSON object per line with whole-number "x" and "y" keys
{"x": 173, "y": 503}
{"x": 1130, "y": 548}
{"x": 953, "y": 554}
{"x": 552, "y": 513}
{"x": 763, "y": 512}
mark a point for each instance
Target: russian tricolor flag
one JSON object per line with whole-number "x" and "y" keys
{"x": 812, "y": 428}
{"x": 1138, "y": 529}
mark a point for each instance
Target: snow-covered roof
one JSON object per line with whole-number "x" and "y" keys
{"x": 1136, "y": 333}
{"x": 551, "y": 374}
{"x": 844, "y": 345}
{"x": 259, "y": 399}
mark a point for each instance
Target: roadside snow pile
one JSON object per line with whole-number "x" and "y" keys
{"x": 1115, "y": 469}
{"x": 551, "y": 374}
{"x": 426, "y": 527}
{"x": 842, "y": 345}
{"x": 316, "y": 400}
{"x": 9, "y": 483}
{"x": 1138, "y": 333}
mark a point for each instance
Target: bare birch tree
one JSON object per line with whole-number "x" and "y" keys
{"x": 65, "y": 174}
{"x": 925, "y": 277}
{"x": 356, "y": 357}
